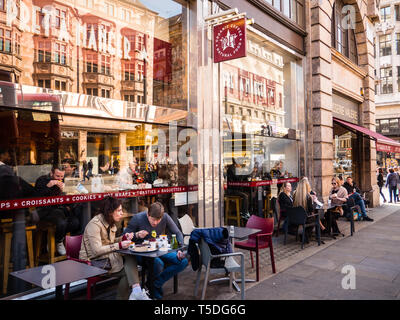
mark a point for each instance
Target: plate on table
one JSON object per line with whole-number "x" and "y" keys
{"x": 143, "y": 249}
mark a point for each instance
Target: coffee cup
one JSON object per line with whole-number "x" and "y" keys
{"x": 153, "y": 245}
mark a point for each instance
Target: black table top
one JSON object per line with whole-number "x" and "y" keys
{"x": 241, "y": 233}
{"x": 66, "y": 271}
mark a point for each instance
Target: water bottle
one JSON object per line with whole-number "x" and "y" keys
{"x": 174, "y": 242}
{"x": 231, "y": 231}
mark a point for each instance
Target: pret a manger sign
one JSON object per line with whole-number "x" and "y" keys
{"x": 230, "y": 40}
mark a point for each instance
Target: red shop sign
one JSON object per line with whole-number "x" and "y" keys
{"x": 79, "y": 198}
{"x": 230, "y": 40}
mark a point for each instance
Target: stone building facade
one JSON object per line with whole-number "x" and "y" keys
{"x": 387, "y": 84}
{"x": 340, "y": 74}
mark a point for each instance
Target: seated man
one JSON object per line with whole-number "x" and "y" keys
{"x": 168, "y": 265}
{"x": 354, "y": 193}
{"x": 63, "y": 216}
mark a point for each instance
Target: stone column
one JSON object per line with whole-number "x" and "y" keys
{"x": 321, "y": 131}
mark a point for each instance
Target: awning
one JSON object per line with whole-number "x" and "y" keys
{"x": 383, "y": 143}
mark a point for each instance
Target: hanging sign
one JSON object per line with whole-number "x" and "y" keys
{"x": 230, "y": 40}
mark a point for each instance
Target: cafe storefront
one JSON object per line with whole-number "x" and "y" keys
{"x": 99, "y": 83}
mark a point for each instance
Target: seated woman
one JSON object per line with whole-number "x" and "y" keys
{"x": 338, "y": 197}
{"x": 302, "y": 198}
{"x": 285, "y": 200}
{"x": 99, "y": 242}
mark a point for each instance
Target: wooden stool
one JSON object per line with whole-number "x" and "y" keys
{"x": 228, "y": 216}
{"x": 6, "y": 235}
{"x": 50, "y": 228}
{"x": 267, "y": 206}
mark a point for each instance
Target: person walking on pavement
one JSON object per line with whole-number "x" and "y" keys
{"x": 90, "y": 168}
{"x": 380, "y": 184}
{"x": 85, "y": 169}
{"x": 391, "y": 182}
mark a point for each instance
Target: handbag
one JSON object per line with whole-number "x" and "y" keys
{"x": 104, "y": 263}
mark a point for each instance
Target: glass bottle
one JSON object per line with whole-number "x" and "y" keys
{"x": 174, "y": 242}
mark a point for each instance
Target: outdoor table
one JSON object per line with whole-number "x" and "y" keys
{"x": 66, "y": 271}
{"x": 149, "y": 257}
{"x": 239, "y": 233}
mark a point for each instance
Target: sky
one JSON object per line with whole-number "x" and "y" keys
{"x": 165, "y": 8}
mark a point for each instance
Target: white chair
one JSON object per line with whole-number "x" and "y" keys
{"x": 231, "y": 266}
{"x": 187, "y": 227}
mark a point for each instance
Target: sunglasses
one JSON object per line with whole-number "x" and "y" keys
{"x": 334, "y": 183}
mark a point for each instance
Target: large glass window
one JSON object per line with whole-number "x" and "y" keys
{"x": 385, "y": 14}
{"x": 343, "y": 37}
{"x": 385, "y": 45}
{"x": 386, "y": 80}
{"x": 293, "y": 9}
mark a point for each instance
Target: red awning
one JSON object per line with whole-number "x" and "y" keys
{"x": 383, "y": 143}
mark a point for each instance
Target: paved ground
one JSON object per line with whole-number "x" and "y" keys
{"x": 315, "y": 272}
{"x": 373, "y": 251}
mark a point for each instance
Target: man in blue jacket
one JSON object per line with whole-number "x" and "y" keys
{"x": 168, "y": 265}
{"x": 391, "y": 181}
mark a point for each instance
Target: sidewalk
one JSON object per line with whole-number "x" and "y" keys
{"x": 315, "y": 272}
{"x": 373, "y": 251}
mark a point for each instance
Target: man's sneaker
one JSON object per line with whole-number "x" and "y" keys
{"x": 61, "y": 249}
{"x": 366, "y": 218}
{"x": 139, "y": 295}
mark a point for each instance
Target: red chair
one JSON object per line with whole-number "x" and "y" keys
{"x": 72, "y": 247}
{"x": 259, "y": 240}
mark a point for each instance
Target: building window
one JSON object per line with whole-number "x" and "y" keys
{"x": 140, "y": 42}
{"x": 5, "y": 40}
{"x": 105, "y": 93}
{"x": 60, "y": 85}
{"x": 385, "y": 14}
{"x": 17, "y": 44}
{"x": 386, "y": 80}
{"x": 2, "y": 5}
{"x": 384, "y": 126}
{"x": 397, "y": 12}
{"x": 44, "y": 83}
{"x": 397, "y": 43}
{"x": 109, "y": 9}
{"x": 343, "y": 39}
{"x": 105, "y": 65}
{"x": 59, "y": 16}
{"x": 92, "y": 92}
{"x": 44, "y": 51}
{"x": 129, "y": 98}
{"x": 92, "y": 63}
{"x": 398, "y": 78}
{"x": 293, "y": 9}
{"x": 140, "y": 68}
{"x": 89, "y": 4}
{"x": 129, "y": 71}
{"x": 60, "y": 53}
{"x": 385, "y": 45}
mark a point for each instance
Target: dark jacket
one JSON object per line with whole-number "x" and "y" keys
{"x": 350, "y": 188}
{"x": 380, "y": 180}
{"x": 42, "y": 189}
{"x": 217, "y": 239}
{"x": 392, "y": 180}
{"x": 285, "y": 202}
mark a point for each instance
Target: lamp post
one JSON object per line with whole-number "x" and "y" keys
{"x": 145, "y": 57}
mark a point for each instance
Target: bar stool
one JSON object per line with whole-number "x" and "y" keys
{"x": 267, "y": 206}
{"x": 236, "y": 214}
{"x": 50, "y": 229}
{"x": 6, "y": 231}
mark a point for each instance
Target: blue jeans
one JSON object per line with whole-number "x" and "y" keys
{"x": 360, "y": 202}
{"x": 393, "y": 191}
{"x": 166, "y": 267}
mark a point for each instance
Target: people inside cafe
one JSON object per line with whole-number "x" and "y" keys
{"x": 100, "y": 242}
{"x": 276, "y": 173}
{"x": 66, "y": 218}
{"x": 233, "y": 176}
{"x": 146, "y": 226}
{"x": 355, "y": 194}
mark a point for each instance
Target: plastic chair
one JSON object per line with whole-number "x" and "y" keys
{"x": 231, "y": 266}
{"x": 72, "y": 247}
{"x": 298, "y": 216}
{"x": 261, "y": 240}
{"x": 187, "y": 227}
